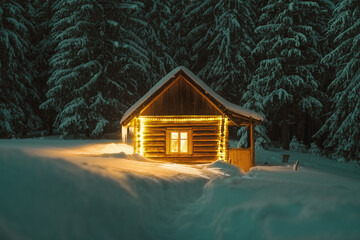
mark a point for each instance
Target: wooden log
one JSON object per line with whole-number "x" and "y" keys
{"x": 154, "y": 138}
{"x": 205, "y": 134}
{"x": 205, "y": 139}
{"x": 205, "y": 154}
{"x": 205, "y": 128}
{"x": 210, "y": 147}
{"x": 205, "y": 144}
{"x": 160, "y": 129}
{"x": 205, "y": 151}
{"x": 188, "y": 160}
{"x": 154, "y": 155}
{"x": 153, "y": 144}
{"x": 149, "y": 149}
{"x": 154, "y": 134}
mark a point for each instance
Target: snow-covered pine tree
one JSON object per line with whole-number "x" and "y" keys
{"x": 198, "y": 21}
{"x": 76, "y": 70}
{"x": 127, "y": 64}
{"x": 222, "y": 37}
{"x": 254, "y": 100}
{"x": 158, "y": 38}
{"x": 44, "y": 49}
{"x": 18, "y": 96}
{"x": 251, "y": 98}
{"x": 324, "y": 72}
{"x": 342, "y": 128}
{"x": 179, "y": 28}
{"x": 287, "y": 57}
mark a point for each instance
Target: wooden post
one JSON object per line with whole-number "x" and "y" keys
{"x": 248, "y": 136}
{"x": 252, "y": 145}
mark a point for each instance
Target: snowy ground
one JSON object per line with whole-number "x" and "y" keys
{"x": 79, "y": 189}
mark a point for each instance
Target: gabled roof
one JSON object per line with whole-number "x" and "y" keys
{"x": 229, "y": 109}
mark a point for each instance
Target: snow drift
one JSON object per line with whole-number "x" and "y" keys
{"x": 62, "y": 193}
{"x": 52, "y": 199}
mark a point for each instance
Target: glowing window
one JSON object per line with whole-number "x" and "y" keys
{"x": 179, "y": 142}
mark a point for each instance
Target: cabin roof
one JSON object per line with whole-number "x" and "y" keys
{"x": 228, "y": 108}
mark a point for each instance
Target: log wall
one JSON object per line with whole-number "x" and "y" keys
{"x": 205, "y": 140}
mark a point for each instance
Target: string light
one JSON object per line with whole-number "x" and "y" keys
{"x": 219, "y": 141}
{"x": 181, "y": 119}
{"x": 224, "y": 140}
{"x": 141, "y": 136}
{"x": 222, "y": 130}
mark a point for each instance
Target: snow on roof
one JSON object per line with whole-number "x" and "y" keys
{"x": 208, "y": 91}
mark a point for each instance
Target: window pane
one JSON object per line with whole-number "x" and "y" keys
{"x": 174, "y": 135}
{"x": 174, "y": 146}
{"x": 184, "y": 146}
{"x": 183, "y": 135}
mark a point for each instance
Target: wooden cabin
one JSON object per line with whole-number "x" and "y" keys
{"x": 182, "y": 120}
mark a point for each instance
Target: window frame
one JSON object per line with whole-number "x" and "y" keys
{"x": 189, "y": 142}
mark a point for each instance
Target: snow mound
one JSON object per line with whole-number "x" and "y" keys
{"x": 138, "y": 157}
{"x": 243, "y": 208}
{"x": 46, "y": 198}
{"x": 114, "y": 155}
{"x": 49, "y": 192}
{"x": 226, "y": 168}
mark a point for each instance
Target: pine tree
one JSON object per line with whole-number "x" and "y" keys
{"x": 342, "y": 128}
{"x": 222, "y": 44}
{"x": 199, "y": 21}
{"x": 44, "y": 49}
{"x": 158, "y": 37}
{"x": 18, "y": 95}
{"x": 127, "y": 57}
{"x": 179, "y": 24}
{"x": 76, "y": 69}
{"x": 287, "y": 57}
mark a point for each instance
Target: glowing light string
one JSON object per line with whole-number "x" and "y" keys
{"x": 222, "y": 123}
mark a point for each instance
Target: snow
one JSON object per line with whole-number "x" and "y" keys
{"x": 229, "y": 106}
{"x": 86, "y": 189}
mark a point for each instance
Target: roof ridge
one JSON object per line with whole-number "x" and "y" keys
{"x": 208, "y": 91}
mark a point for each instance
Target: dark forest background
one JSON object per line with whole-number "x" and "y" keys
{"x": 77, "y": 65}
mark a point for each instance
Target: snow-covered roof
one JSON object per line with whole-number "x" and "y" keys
{"x": 227, "y": 106}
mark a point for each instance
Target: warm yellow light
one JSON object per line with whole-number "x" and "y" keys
{"x": 220, "y": 139}
{"x": 181, "y": 119}
{"x": 224, "y": 140}
{"x": 141, "y": 142}
{"x": 222, "y": 130}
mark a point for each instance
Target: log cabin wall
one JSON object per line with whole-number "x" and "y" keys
{"x": 206, "y": 140}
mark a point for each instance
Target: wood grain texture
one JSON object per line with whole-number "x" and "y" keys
{"x": 241, "y": 157}
{"x": 180, "y": 99}
{"x": 204, "y": 140}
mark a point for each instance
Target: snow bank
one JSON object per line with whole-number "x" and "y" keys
{"x": 63, "y": 190}
{"x": 243, "y": 208}
{"x": 44, "y": 198}
{"x": 226, "y": 168}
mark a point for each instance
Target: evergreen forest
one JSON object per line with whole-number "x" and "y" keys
{"x": 75, "y": 66}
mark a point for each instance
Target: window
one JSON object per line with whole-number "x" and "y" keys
{"x": 178, "y": 141}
